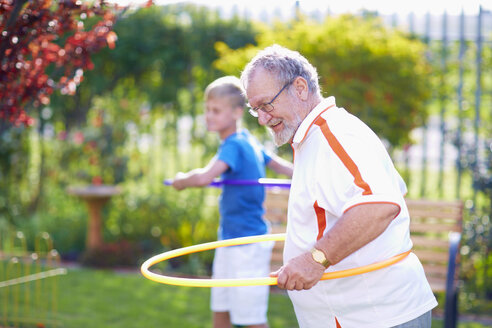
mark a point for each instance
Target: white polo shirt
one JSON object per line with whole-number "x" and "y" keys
{"x": 339, "y": 162}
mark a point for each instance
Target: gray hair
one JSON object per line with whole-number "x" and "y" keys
{"x": 285, "y": 65}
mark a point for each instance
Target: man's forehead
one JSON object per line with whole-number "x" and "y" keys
{"x": 260, "y": 74}
{"x": 260, "y": 86}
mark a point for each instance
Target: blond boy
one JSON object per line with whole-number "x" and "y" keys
{"x": 239, "y": 157}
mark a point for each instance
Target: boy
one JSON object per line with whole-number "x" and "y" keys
{"x": 239, "y": 157}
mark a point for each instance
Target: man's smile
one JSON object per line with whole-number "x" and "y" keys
{"x": 274, "y": 126}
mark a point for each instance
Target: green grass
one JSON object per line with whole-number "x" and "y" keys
{"x": 107, "y": 299}
{"x": 103, "y": 299}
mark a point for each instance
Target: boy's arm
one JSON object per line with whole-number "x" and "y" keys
{"x": 280, "y": 165}
{"x": 200, "y": 177}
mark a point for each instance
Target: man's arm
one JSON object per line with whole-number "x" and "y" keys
{"x": 356, "y": 228}
{"x": 200, "y": 177}
{"x": 280, "y": 165}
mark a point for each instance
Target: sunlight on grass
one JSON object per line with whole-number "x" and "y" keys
{"x": 90, "y": 298}
{"x": 116, "y": 299}
{"x": 103, "y": 298}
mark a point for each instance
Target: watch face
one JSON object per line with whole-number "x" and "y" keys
{"x": 318, "y": 256}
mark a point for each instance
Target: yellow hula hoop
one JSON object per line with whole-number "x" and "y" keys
{"x": 247, "y": 281}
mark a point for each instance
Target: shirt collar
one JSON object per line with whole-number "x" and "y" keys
{"x": 306, "y": 124}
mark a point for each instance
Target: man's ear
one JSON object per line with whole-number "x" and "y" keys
{"x": 301, "y": 88}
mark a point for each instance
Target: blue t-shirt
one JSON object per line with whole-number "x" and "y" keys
{"x": 240, "y": 206}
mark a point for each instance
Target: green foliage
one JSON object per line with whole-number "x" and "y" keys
{"x": 147, "y": 216}
{"x": 121, "y": 128}
{"x": 160, "y": 51}
{"x": 64, "y": 217}
{"x": 476, "y": 268}
{"x": 376, "y": 73}
{"x": 94, "y": 154}
{"x": 17, "y": 188}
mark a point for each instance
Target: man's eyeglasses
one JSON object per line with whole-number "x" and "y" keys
{"x": 267, "y": 107}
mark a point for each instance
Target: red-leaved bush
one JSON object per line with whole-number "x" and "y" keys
{"x": 46, "y": 45}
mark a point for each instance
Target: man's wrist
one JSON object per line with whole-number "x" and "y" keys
{"x": 320, "y": 257}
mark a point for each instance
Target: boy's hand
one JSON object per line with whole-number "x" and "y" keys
{"x": 179, "y": 181}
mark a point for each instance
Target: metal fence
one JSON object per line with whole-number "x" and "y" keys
{"x": 458, "y": 135}
{"x": 28, "y": 281}
{"x": 452, "y": 155}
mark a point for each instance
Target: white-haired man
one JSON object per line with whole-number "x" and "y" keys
{"x": 346, "y": 205}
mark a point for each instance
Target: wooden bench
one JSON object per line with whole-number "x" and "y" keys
{"x": 435, "y": 229}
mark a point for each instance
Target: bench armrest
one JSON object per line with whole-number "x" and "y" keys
{"x": 451, "y": 305}
{"x": 454, "y": 243}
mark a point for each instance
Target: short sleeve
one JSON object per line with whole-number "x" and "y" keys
{"x": 229, "y": 153}
{"x": 266, "y": 156}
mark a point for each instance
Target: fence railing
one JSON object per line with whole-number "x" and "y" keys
{"x": 452, "y": 158}
{"x": 28, "y": 281}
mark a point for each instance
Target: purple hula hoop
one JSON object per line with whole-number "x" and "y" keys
{"x": 266, "y": 182}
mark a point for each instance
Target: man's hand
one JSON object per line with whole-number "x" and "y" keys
{"x": 299, "y": 273}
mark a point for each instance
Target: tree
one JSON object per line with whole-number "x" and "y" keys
{"x": 162, "y": 51}
{"x": 44, "y": 46}
{"x": 376, "y": 73}
{"x": 161, "y": 62}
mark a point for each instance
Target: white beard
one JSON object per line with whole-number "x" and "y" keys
{"x": 287, "y": 133}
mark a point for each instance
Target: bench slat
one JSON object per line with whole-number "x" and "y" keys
{"x": 423, "y": 241}
{"x": 432, "y": 227}
{"x": 436, "y": 270}
{"x": 436, "y": 214}
{"x": 421, "y": 203}
{"x": 437, "y": 285}
{"x": 432, "y": 256}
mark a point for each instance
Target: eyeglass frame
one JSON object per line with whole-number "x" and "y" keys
{"x": 254, "y": 110}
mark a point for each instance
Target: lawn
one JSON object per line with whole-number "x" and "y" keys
{"x": 115, "y": 299}
{"x": 102, "y": 299}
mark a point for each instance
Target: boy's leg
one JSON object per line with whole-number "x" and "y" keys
{"x": 249, "y": 305}
{"x": 220, "y": 296}
{"x": 259, "y": 326}
{"x": 222, "y": 320}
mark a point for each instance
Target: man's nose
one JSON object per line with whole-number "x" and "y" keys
{"x": 263, "y": 117}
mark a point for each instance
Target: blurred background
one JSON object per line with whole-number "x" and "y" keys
{"x": 99, "y": 103}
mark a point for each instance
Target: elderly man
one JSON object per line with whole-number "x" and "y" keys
{"x": 346, "y": 205}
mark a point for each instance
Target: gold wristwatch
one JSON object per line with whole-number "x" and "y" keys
{"x": 320, "y": 257}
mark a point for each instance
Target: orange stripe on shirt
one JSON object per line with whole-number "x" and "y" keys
{"x": 320, "y": 215}
{"x": 338, "y": 324}
{"x": 293, "y": 153}
{"x": 314, "y": 121}
{"x": 344, "y": 157}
